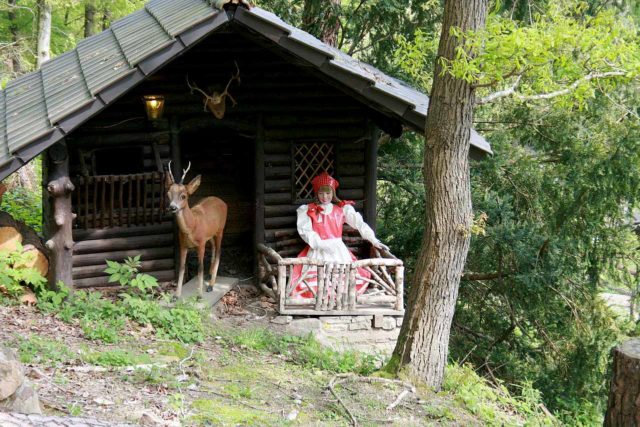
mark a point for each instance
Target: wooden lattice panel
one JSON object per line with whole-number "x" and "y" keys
{"x": 309, "y": 160}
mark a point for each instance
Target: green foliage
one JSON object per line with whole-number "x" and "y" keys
{"x": 24, "y": 205}
{"x": 35, "y": 349}
{"x": 304, "y": 351}
{"x": 104, "y": 319}
{"x": 14, "y": 274}
{"x": 492, "y": 403}
{"x": 116, "y": 357}
{"x": 127, "y": 275}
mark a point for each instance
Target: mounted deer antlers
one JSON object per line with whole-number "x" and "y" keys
{"x": 216, "y": 102}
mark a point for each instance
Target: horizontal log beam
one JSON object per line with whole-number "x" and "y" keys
{"x": 106, "y": 233}
{"x": 97, "y": 282}
{"x": 145, "y": 255}
{"x": 122, "y": 243}
{"x": 98, "y": 270}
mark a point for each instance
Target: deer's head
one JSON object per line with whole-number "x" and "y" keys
{"x": 178, "y": 193}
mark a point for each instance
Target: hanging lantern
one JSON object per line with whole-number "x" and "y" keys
{"x": 154, "y": 105}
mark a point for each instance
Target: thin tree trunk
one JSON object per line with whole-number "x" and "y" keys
{"x": 331, "y": 24}
{"x": 321, "y": 18}
{"x": 16, "y": 64}
{"x": 422, "y": 347}
{"x": 106, "y": 18}
{"x": 89, "y": 18}
{"x": 44, "y": 32}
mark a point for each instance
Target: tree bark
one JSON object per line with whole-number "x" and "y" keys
{"x": 60, "y": 241}
{"x": 89, "y": 18}
{"x": 623, "y": 408}
{"x": 422, "y": 346}
{"x": 44, "y": 32}
{"x": 14, "y": 62}
{"x": 321, "y": 18}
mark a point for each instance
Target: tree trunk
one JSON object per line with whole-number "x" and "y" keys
{"x": 60, "y": 241}
{"x": 321, "y": 18}
{"x": 106, "y": 18}
{"x": 422, "y": 346}
{"x": 15, "y": 62}
{"x": 624, "y": 397}
{"x": 44, "y": 32}
{"x": 89, "y": 18}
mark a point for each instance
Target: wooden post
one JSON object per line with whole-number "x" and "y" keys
{"x": 400, "y": 287}
{"x": 60, "y": 241}
{"x": 259, "y": 191}
{"x": 176, "y": 163}
{"x": 624, "y": 396}
{"x": 371, "y": 175}
{"x": 282, "y": 286}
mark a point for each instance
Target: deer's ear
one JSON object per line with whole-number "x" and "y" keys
{"x": 168, "y": 182}
{"x": 193, "y": 185}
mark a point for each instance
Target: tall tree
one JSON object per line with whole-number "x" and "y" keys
{"x": 89, "y": 18}
{"x": 14, "y": 62}
{"x": 422, "y": 346}
{"x": 322, "y": 19}
{"x": 44, "y": 32}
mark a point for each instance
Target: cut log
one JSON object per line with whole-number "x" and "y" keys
{"x": 623, "y": 408}
{"x": 13, "y": 232}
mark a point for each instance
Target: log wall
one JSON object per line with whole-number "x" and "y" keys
{"x": 279, "y": 100}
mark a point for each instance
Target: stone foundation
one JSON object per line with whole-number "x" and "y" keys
{"x": 371, "y": 334}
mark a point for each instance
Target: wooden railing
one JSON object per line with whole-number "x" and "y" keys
{"x": 119, "y": 200}
{"x": 336, "y": 284}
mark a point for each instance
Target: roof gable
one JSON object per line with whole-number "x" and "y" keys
{"x": 39, "y": 108}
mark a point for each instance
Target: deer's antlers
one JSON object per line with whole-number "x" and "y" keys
{"x": 184, "y": 173}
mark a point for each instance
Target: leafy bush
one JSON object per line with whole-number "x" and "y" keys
{"x": 14, "y": 274}
{"x": 104, "y": 319}
{"x": 24, "y": 205}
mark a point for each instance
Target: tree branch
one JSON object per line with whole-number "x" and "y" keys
{"x": 512, "y": 90}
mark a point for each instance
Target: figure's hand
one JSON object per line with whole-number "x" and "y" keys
{"x": 381, "y": 246}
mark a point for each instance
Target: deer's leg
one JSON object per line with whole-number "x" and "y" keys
{"x": 212, "y": 279}
{"x": 215, "y": 263}
{"x": 183, "y": 258}
{"x": 201, "y": 249}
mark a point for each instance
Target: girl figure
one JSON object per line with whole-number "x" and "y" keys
{"x": 320, "y": 226}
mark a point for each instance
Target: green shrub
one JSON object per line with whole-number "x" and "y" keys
{"x": 24, "y": 205}
{"x": 104, "y": 319}
{"x": 14, "y": 274}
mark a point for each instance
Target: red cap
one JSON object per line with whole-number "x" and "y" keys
{"x": 322, "y": 180}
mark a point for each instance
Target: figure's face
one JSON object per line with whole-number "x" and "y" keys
{"x": 325, "y": 196}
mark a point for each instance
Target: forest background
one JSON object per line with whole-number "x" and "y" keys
{"x": 554, "y": 206}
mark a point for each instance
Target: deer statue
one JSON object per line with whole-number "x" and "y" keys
{"x": 198, "y": 225}
{"x": 216, "y": 103}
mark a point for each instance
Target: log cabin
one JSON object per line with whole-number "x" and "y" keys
{"x": 109, "y": 116}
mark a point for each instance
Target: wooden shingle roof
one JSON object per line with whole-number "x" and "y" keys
{"x": 41, "y": 107}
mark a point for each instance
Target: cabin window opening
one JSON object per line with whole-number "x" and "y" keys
{"x": 119, "y": 160}
{"x": 309, "y": 160}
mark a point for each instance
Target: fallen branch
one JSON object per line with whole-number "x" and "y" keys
{"x": 396, "y": 402}
{"x": 332, "y": 383}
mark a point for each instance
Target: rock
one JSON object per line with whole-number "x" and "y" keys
{"x": 16, "y": 392}
{"x": 388, "y": 323}
{"x": 399, "y": 320}
{"x": 360, "y": 326}
{"x": 335, "y": 327}
{"x": 24, "y": 400}
{"x": 11, "y": 375}
{"x": 282, "y": 320}
{"x": 304, "y": 326}
{"x": 377, "y": 320}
